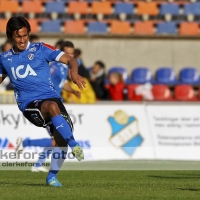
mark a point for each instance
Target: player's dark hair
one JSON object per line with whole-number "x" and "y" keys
{"x": 15, "y": 24}
{"x": 66, "y": 44}
{"x": 100, "y": 63}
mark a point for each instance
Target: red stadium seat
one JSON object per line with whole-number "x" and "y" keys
{"x": 147, "y": 8}
{"x": 3, "y": 23}
{"x": 77, "y": 7}
{"x": 9, "y": 6}
{"x": 162, "y": 93}
{"x": 101, "y": 7}
{"x": 118, "y": 27}
{"x": 32, "y": 7}
{"x": 34, "y": 25}
{"x": 189, "y": 28}
{"x": 144, "y": 28}
{"x": 131, "y": 96}
{"x": 185, "y": 93}
{"x": 74, "y": 27}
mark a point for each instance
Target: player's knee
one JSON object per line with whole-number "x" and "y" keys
{"x": 53, "y": 108}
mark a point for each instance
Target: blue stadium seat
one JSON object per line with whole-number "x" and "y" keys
{"x": 192, "y": 8}
{"x": 166, "y": 75}
{"x": 58, "y": 7}
{"x": 141, "y": 75}
{"x": 189, "y": 75}
{"x": 121, "y": 7}
{"x": 120, "y": 70}
{"x": 51, "y": 26}
{"x": 97, "y": 27}
{"x": 169, "y": 8}
{"x": 167, "y": 28}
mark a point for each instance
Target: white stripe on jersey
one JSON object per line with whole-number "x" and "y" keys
{"x": 59, "y": 56}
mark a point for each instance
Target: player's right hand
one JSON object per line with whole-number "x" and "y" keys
{"x": 78, "y": 80}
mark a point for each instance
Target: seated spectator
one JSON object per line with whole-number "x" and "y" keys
{"x": 6, "y": 85}
{"x": 6, "y": 46}
{"x": 81, "y": 69}
{"x": 34, "y": 38}
{"x": 116, "y": 87}
{"x": 87, "y": 94}
{"x": 97, "y": 80}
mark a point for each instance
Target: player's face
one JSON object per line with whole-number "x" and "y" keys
{"x": 69, "y": 51}
{"x": 20, "y": 39}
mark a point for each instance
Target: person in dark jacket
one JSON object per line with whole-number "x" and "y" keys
{"x": 97, "y": 80}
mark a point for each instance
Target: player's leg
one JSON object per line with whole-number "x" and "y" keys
{"x": 58, "y": 157}
{"x": 47, "y": 143}
{"x": 62, "y": 123}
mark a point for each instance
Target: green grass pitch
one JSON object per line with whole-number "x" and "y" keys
{"x": 103, "y": 184}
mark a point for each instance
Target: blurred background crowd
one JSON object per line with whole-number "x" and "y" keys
{"x": 117, "y": 19}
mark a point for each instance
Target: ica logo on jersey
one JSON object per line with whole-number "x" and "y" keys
{"x": 16, "y": 72}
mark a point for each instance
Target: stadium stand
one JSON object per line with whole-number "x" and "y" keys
{"x": 118, "y": 27}
{"x": 97, "y": 28}
{"x": 143, "y": 28}
{"x": 103, "y": 7}
{"x": 189, "y": 28}
{"x": 123, "y": 7}
{"x": 189, "y": 75}
{"x": 166, "y": 28}
{"x": 51, "y": 26}
{"x": 131, "y": 95}
{"x": 166, "y": 75}
{"x": 141, "y": 75}
{"x": 77, "y": 7}
{"x": 184, "y": 93}
{"x": 74, "y": 27}
{"x": 162, "y": 93}
{"x": 3, "y": 23}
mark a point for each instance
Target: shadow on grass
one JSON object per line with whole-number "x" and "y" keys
{"x": 18, "y": 184}
{"x": 175, "y": 177}
{"x": 189, "y": 189}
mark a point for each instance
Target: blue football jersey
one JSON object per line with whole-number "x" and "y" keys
{"x": 59, "y": 73}
{"x": 29, "y": 72}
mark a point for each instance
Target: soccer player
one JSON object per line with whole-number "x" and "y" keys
{"x": 59, "y": 73}
{"x": 27, "y": 66}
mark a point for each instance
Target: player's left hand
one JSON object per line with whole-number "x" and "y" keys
{"x": 77, "y": 93}
{"x": 78, "y": 80}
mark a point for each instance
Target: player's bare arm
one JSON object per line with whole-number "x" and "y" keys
{"x": 73, "y": 64}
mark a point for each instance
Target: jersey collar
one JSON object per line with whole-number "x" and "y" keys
{"x": 24, "y": 50}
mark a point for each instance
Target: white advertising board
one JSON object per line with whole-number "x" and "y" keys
{"x": 106, "y": 132}
{"x": 175, "y": 130}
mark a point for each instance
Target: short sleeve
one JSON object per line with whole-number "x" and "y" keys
{"x": 50, "y": 53}
{"x": 3, "y": 72}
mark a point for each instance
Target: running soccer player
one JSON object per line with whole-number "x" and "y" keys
{"x": 59, "y": 73}
{"x": 27, "y": 66}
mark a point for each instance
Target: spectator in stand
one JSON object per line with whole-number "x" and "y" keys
{"x": 116, "y": 87}
{"x": 87, "y": 95}
{"x": 81, "y": 69}
{"x": 97, "y": 80}
{"x": 6, "y": 46}
{"x": 34, "y": 38}
{"x": 59, "y": 44}
{"x": 6, "y": 85}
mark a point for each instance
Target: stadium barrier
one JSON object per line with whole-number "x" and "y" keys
{"x": 167, "y": 131}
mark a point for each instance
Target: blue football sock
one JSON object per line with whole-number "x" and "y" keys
{"x": 57, "y": 158}
{"x": 45, "y": 142}
{"x": 43, "y": 156}
{"x": 64, "y": 129}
